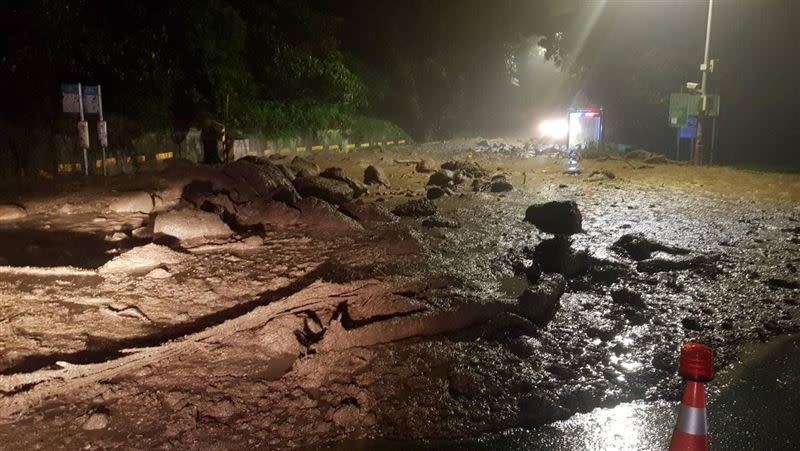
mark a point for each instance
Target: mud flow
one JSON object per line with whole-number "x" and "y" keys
{"x": 436, "y": 294}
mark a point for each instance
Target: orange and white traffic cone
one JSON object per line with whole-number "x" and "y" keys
{"x": 697, "y": 368}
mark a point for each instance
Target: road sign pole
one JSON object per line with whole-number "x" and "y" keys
{"x": 83, "y": 132}
{"x": 102, "y": 129}
{"x": 699, "y": 153}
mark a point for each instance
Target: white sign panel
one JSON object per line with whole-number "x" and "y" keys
{"x": 91, "y": 100}
{"x": 70, "y": 100}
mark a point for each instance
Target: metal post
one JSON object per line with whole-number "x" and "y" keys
{"x": 81, "y": 127}
{"x": 699, "y": 157}
{"x": 678, "y": 145}
{"x": 101, "y": 129}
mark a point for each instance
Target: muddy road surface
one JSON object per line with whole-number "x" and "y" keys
{"x": 421, "y": 293}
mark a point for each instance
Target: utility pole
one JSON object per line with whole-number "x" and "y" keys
{"x": 699, "y": 153}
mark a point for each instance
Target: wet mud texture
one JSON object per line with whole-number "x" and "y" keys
{"x": 401, "y": 330}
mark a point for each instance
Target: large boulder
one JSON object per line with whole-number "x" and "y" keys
{"x": 359, "y": 189}
{"x": 189, "y": 224}
{"x": 556, "y": 256}
{"x": 141, "y": 260}
{"x": 500, "y": 184}
{"x": 327, "y": 189}
{"x": 270, "y": 213}
{"x": 303, "y": 167}
{"x": 368, "y": 212}
{"x": 373, "y": 175}
{"x": 259, "y": 179}
{"x": 133, "y": 202}
{"x": 11, "y": 212}
{"x": 558, "y": 218}
{"x": 441, "y": 178}
{"x": 539, "y": 304}
{"x": 416, "y": 208}
{"x": 469, "y": 168}
{"x": 322, "y": 216}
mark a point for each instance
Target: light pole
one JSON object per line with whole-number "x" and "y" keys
{"x": 699, "y": 157}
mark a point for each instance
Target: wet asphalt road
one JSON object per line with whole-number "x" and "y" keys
{"x": 754, "y": 406}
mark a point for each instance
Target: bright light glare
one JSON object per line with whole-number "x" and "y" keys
{"x": 554, "y": 128}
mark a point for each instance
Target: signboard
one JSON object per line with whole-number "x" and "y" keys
{"x": 682, "y": 106}
{"x": 91, "y": 99}
{"x": 70, "y": 98}
{"x": 690, "y": 131}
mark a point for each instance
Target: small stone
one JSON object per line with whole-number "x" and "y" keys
{"x": 133, "y": 202}
{"x": 117, "y": 236}
{"x": 373, "y": 175}
{"x": 435, "y": 192}
{"x": 96, "y": 421}
{"x": 441, "y": 178}
{"x": 159, "y": 273}
{"x": 416, "y": 208}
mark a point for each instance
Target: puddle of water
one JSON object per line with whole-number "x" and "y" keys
{"x": 754, "y": 405}
{"x": 51, "y": 248}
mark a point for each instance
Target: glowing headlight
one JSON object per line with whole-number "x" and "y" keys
{"x": 554, "y": 128}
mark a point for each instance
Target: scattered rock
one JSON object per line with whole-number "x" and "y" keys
{"x": 500, "y": 185}
{"x": 133, "y": 202}
{"x": 368, "y": 212}
{"x": 416, "y": 208}
{"x": 558, "y": 218}
{"x": 435, "y": 192}
{"x": 440, "y": 222}
{"x": 303, "y": 167}
{"x": 190, "y": 224}
{"x": 359, "y": 189}
{"x": 692, "y": 323}
{"x": 11, "y": 212}
{"x": 327, "y": 189}
{"x": 637, "y": 247}
{"x": 441, "y": 178}
{"x": 96, "y": 421}
{"x": 219, "y": 410}
{"x": 426, "y": 166}
{"x": 375, "y": 176}
{"x": 539, "y": 304}
{"x": 468, "y": 168}
{"x": 141, "y": 260}
{"x": 116, "y": 236}
{"x": 322, "y": 216}
{"x": 556, "y": 256}
{"x": 347, "y": 416}
{"x": 625, "y": 296}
